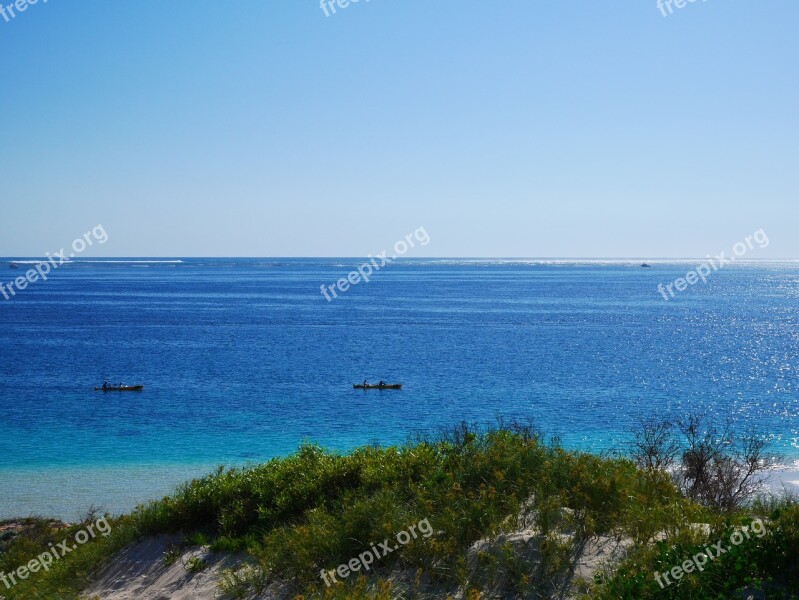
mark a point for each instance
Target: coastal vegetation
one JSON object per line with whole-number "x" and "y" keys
{"x": 511, "y": 515}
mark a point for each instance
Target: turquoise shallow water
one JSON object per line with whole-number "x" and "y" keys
{"x": 243, "y": 359}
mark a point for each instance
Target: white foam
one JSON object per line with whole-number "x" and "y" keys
{"x": 130, "y": 262}
{"x": 101, "y": 262}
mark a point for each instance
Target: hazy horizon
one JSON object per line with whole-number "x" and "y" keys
{"x": 172, "y": 258}
{"x": 271, "y": 129}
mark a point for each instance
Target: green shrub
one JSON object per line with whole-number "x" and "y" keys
{"x": 316, "y": 510}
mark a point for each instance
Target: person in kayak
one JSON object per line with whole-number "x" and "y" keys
{"x": 365, "y": 383}
{"x": 381, "y": 383}
{"x": 105, "y": 385}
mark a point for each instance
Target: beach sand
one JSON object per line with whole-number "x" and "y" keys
{"x": 140, "y": 573}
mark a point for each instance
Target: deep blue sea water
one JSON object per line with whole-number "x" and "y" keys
{"x": 244, "y": 359}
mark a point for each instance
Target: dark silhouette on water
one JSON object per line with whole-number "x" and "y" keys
{"x": 378, "y": 386}
{"x": 119, "y": 388}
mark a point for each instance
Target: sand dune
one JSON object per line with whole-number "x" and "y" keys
{"x": 141, "y": 573}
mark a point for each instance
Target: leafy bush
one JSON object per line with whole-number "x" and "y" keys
{"x": 710, "y": 465}
{"x": 767, "y": 563}
{"x": 313, "y": 511}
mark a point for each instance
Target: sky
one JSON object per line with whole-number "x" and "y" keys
{"x": 506, "y": 129}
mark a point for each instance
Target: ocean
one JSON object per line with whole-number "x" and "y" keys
{"x": 243, "y": 360}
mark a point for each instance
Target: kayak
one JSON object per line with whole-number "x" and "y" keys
{"x": 385, "y": 386}
{"x": 120, "y": 388}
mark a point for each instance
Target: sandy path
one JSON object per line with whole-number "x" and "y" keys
{"x": 140, "y": 573}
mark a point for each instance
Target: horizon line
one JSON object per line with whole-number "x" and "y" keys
{"x": 18, "y": 258}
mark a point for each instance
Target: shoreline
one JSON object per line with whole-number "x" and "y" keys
{"x": 67, "y": 493}
{"x": 120, "y": 489}
{"x": 600, "y": 507}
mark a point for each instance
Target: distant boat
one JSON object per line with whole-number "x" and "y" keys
{"x": 646, "y": 266}
{"x": 13, "y": 265}
{"x": 120, "y": 388}
{"x": 377, "y": 386}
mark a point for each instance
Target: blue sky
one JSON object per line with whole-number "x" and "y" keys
{"x": 512, "y": 128}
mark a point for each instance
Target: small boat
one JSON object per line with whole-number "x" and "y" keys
{"x": 377, "y": 386}
{"x": 13, "y": 265}
{"x": 646, "y": 266}
{"x": 120, "y": 388}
